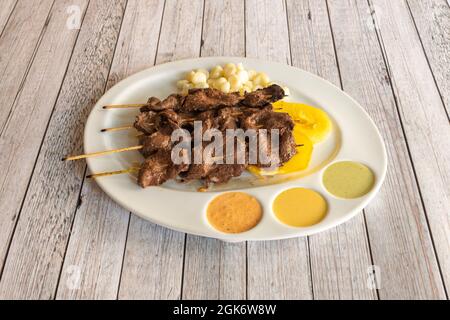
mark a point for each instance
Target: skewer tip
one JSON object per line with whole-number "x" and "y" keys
{"x": 103, "y": 130}
{"x": 63, "y": 159}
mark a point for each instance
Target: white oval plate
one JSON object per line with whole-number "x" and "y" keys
{"x": 179, "y": 207}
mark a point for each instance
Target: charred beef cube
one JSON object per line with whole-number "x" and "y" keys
{"x": 268, "y": 120}
{"x": 288, "y": 147}
{"x": 159, "y": 140}
{"x": 273, "y": 120}
{"x": 151, "y": 104}
{"x": 145, "y": 122}
{"x": 208, "y": 119}
{"x": 197, "y": 171}
{"x": 174, "y": 101}
{"x": 158, "y": 168}
{"x": 228, "y": 118}
{"x": 223, "y": 173}
{"x": 207, "y": 99}
{"x": 262, "y": 97}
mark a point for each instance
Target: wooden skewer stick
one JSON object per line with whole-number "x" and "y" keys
{"x": 101, "y": 153}
{"x": 132, "y": 127}
{"x": 125, "y": 106}
{"x": 112, "y": 173}
{"x": 117, "y": 128}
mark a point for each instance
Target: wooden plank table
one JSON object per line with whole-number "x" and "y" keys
{"x": 61, "y": 237}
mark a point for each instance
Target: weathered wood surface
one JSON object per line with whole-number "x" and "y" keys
{"x": 38, "y": 246}
{"x": 5, "y": 13}
{"x": 432, "y": 20}
{"x": 18, "y": 42}
{"x": 397, "y": 227}
{"x": 30, "y": 114}
{"x": 424, "y": 119}
{"x": 61, "y": 237}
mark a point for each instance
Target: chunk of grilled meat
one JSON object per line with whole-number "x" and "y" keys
{"x": 228, "y": 118}
{"x": 146, "y": 122}
{"x": 159, "y": 140}
{"x": 269, "y": 120}
{"x": 158, "y": 168}
{"x": 224, "y": 172}
{"x": 174, "y": 102}
{"x": 262, "y": 97}
{"x": 207, "y": 99}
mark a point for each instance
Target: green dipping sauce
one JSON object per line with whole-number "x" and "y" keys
{"x": 348, "y": 179}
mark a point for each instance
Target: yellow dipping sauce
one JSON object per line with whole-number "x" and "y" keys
{"x": 300, "y": 207}
{"x": 234, "y": 212}
{"x": 348, "y": 179}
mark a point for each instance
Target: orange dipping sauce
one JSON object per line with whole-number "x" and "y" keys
{"x": 234, "y": 212}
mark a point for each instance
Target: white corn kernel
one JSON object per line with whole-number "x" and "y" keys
{"x": 221, "y": 80}
{"x": 198, "y": 77}
{"x": 182, "y": 83}
{"x": 190, "y": 75}
{"x": 249, "y": 84}
{"x": 257, "y": 80}
{"x": 229, "y": 69}
{"x": 286, "y": 90}
{"x": 225, "y": 87}
{"x": 204, "y": 71}
{"x": 216, "y": 72}
{"x": 240, "y": 66}
{"x": 185, "y": 88}
{"x": 243, "y": 76}
{"x": 235, "y": 81}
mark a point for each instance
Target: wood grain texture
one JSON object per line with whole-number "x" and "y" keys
{"x": 424, "y": 119}
{"x": 398, "y": 232}
{"x": 276, "y": 269}
{"x": 181, "y": 33}
{"x": 224, "y": 28}
{"x": 30, "y": 114}
{"x": 153, "y": 264}
{"x": 38, "y": 246}
{"x": 5, "y": 12}
{"x": 339, "y": 257}
{"x": 267, "y": 30}
{"x": 279, "y": 270}
{"x": 214, "y": 269}
{"x": 17, "y": 47}
{"x": 101, "y": 226}
{"x": 432, "y": 20}
{"x": 93, "y": 261}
